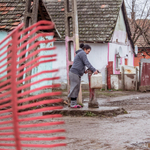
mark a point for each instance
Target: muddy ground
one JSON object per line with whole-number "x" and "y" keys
{"x": 123, "y": 132}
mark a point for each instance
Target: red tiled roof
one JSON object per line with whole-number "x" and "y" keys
{"x": 11, "y": 12}
{"x": 97, "y": 18}
{"x": 1, "y": 27}
{"x": 141, "y": 42}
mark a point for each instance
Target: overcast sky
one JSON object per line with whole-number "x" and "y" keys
{"x": 139, "y": 6}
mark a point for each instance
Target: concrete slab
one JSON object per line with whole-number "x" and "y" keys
{"x": 91, "y": 109}
{"x": 89, "y": 112}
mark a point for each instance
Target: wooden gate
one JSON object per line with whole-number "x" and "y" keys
{"x": 144, "y": 76}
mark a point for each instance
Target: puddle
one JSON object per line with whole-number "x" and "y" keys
{"x": 143, "y": 145}
{"x": 146, "y": 145}
{"x": 108, "y": 99}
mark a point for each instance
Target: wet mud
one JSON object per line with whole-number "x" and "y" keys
{"x": 123, "y": 132}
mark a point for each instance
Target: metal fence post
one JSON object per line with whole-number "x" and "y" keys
{"x": 14, "y": 89}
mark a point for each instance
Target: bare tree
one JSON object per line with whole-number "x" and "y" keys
{"x": 139, "y": 15}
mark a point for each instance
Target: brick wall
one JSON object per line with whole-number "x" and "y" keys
{"x": 140, "y": 56}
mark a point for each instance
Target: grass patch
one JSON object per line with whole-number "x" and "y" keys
{"x": 85, "y": 94}
{"x": 80, "y": 104}
{"x": 125, "y": 112}
{"x": 56, "y": 90}
{"x": 89, "y": 114}
{"x": 109, "y": 94}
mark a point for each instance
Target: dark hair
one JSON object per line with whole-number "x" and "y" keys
{"x": 81, "y": 45}
{"x": 86, "y": 47}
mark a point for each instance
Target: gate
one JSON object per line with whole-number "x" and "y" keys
{"x": 144, "y": 75}
{"x": 20, "y": 110}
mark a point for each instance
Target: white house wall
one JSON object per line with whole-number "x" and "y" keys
{"x": 120, "y": 44}
{"x": 97, "y": 57}
{"x": 126, "y": 53}
{"x": 131, "y": 56}
{"x": 120, "y": 33}
{"x": 61, "y": 62}
{"x": 43, "y": 66}
{"x": 3, "y": 34}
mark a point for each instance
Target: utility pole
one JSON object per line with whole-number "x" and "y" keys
{"x": 30, "y": 17}
{"x": 72, "y": 36}
{"x": 31, "y": 11}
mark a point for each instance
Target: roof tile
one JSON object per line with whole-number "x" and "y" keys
{"x": 15, "y": 23}
{"x": 1, "y": 27}
{"x": 4, "y": 12}
{"x": 96, "y": 18}
{"x": 3, "y": 4}
{"x": 10, "y": 13}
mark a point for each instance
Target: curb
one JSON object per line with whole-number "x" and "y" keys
{"x": 89, "y": 112}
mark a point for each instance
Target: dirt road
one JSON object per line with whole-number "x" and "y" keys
{"x": 124, "y": 132}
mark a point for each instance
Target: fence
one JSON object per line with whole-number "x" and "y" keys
{"x": 144, "y": 76}
{"x": 126, "y": 80}
{"x": 20, "y": 111}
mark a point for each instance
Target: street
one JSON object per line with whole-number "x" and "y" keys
{"x": 123, "y": 132}
{"x": 129, "y": 131}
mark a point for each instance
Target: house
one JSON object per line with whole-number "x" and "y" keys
{"x": 143, "y": 40}
{"x": 11, "y": 15}
{"x": 102, "y": 24}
